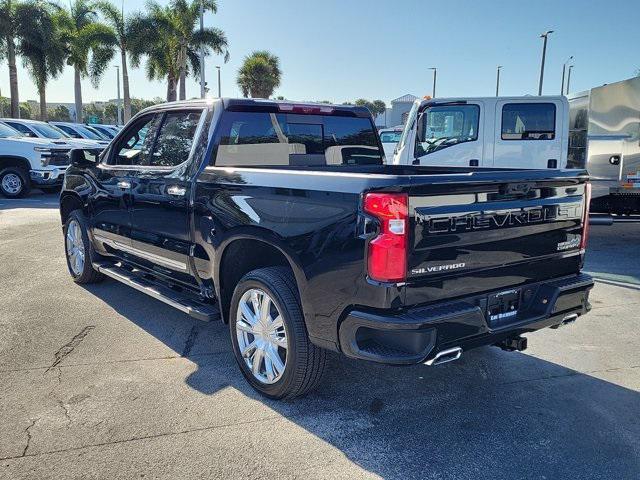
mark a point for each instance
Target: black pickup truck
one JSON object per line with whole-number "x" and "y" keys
{"x": 283, "y": 220}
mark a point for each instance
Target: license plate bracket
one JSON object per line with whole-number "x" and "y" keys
{"x": 502, "y": 307}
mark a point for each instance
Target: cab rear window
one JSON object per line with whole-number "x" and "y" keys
{"x": 275, "y": 139}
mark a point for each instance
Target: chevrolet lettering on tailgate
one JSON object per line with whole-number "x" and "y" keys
{"x": 485, "y": 219}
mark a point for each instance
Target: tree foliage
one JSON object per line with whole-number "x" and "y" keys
{"x": 376, "y": 107}
{"x": 259, "y": 75}
{"x": 60, "y": 113}
{"x": 169, "y": 39}
{"x": 42, "y": 45}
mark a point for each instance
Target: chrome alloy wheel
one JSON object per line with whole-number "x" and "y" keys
{"x": 75, "y": 247}
{"x": 262, "y": 336}
{"x": 12, "y": 183}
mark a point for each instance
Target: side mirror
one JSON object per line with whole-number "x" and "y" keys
{"x": 82, "y": 158}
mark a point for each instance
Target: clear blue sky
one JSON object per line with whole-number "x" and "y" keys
{"x": 341, "y": 50}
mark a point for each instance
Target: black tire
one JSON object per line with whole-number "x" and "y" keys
{"x": 18, "y": 174}
{"x": 51, "y": 189}
{"x": 305, "y": 362}
{"x": 87, "y": 274}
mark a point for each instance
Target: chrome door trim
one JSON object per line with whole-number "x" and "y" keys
{"x": 152, "y": 257}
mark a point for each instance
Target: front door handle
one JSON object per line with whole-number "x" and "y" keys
{"x": 123, "y": 184}
{"x": 176, "y": 190}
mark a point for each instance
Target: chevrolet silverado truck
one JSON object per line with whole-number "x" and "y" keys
{"x": 282, "y": 220}
{"x": 30, "y": 162}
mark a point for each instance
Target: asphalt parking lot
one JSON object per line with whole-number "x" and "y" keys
{"x": 105, "y": 382}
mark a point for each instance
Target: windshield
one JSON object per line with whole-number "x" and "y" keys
{"x": 86, "y": 133}
{"x": 7, "y": 132}
{"x": 390, "y": 137}
{"x": 48, "y": 131}
{"x": 256, "y": 138}
{"x": 101, "y": 135}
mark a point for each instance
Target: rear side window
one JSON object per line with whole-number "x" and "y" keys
{"x": 529, "y": 121}
{"x": 175, "y": 139}
{"x": 270, "y": 139}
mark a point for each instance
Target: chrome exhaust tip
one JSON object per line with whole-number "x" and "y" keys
{"x": 569, "y": 319}
{"x": 445, "y": 356}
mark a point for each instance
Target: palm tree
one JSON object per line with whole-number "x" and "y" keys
{"x": 121, "y": 25}
{"x": 259, "y": 75}
{"x": 89, "y": 43}
{"x": 191, "y": 39}
{"x": 8, "y": 49}
{"x": 153, "y": 37}
{"x": 170, "y": 40}
{"x": 41, "y": 44}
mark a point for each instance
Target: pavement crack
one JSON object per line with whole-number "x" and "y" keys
{"x": 65, "y": 407}
{"x": 191, "y": 340}
{"x": 28, "y": 433}
{"x": 67, "y": 348}
{"x": 146, "y": 437}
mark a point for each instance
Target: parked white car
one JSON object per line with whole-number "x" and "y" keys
{"x": 78, "y": 130}
{"x": 390, "y": 138}
{"x": 29, "y": 161}
{"x": 513, "y": 132}
{"x": 38, "y": 129}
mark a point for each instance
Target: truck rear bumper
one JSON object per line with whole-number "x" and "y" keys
{"x": 417, "y": 335}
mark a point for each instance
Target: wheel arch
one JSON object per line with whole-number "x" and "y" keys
{"x": 69, "y": 201}
{"x": 242, "y": 253}
{"x": 14, "y": 161}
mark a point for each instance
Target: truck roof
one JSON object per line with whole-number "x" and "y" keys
{"x": 265, "y": 105}
{"x": 523, "y": 98}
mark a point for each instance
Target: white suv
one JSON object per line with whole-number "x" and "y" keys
{"x": 27, "y": 162}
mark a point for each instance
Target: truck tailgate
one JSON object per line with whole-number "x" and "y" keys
{"x": 478, "y": 236}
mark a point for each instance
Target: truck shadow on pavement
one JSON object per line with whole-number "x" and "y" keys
{"x": 34, "y": 200}
{"x": 491, "y": 414}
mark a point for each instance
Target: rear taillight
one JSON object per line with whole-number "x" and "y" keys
{"x": 387, "y": 252}
{"x": 585, "y": 216}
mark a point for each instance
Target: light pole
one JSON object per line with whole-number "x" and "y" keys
{"x": 202, "y": 79}
{"x": 435, "y": 74}
{"x": 219, "y": 86}
{"x": 564, "y": 67}
{"x": 544, "y": 36}
{"x": 119, "y": 106}
{"x": 569, "y": 78}
{"x": 498, "y": 80}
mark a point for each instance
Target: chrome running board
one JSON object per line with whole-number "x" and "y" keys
{"x": 182, "y": 301}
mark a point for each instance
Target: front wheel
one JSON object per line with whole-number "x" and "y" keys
{"x": 14, "y": 182}
{"x": 269, "y": 337}
{"x": 79, "y": 251}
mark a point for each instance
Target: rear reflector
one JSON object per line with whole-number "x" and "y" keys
{"x": 585, "y": 216}
{"x": 387, "y": 252}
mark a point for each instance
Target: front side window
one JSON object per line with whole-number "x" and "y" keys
{"x": 136, "y": 145}
{"x": 528, "y": 121}
{"x": 446, "y": 125}
{"x": 175, "y": 139}
{"x": 260, "y": 138}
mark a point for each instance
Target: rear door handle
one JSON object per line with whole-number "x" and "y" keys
{"x": 123, "y": 184}
{"x": 176, "y": 190}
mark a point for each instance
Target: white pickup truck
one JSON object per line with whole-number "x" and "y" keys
{"x": 27, "y": 162}
{"x": 512, "y": 132}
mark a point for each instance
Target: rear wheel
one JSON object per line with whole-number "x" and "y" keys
{"x": 79, "y": 251}
{"x": 269, "y": 337}
{"x": 14, "y": 182}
